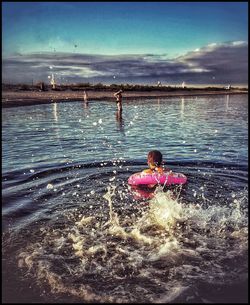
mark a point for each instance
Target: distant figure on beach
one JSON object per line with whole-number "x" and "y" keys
{"x": 118, "y": 96}
{"x": 41, "y": 86}
{"x": 85, "y": 96}
{"x": 53, "y": 82}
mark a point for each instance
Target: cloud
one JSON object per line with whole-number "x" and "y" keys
{"x": 227, "y": 62}
{"x": 215, "y": 63}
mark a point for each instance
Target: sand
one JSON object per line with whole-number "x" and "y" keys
{"x": 22, "y": 98}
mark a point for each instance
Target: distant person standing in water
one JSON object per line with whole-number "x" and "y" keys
{"x": 118, "y": 96}
{"x": 85, "y": 96}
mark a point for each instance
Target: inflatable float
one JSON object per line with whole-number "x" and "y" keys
{"x": 140, "y": 192}
{"x": 166, "y": 178}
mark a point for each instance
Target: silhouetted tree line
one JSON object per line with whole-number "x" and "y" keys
{"x": 41, "y": 86}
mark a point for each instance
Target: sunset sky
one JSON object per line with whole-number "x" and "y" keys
{"x": 125, "y": 42}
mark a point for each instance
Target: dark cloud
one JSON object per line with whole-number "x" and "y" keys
{"x": 226, "y": 62}
{"x": 216, "y": 63}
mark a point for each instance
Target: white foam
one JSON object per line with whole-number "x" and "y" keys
{"x": 166, "y": 245}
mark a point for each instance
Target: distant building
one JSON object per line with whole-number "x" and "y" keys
{"x": 159, "y": 84}
{"x": 183, "y": 85}
{"x": 228, "y": 87}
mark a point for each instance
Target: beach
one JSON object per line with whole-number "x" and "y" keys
{"x": 12, "y": 98}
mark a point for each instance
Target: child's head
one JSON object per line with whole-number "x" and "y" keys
{"x": 154, "y": 158}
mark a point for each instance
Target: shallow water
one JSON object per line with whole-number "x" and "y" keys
{"x": 74, "y": 231}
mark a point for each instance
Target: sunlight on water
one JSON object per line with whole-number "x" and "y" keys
{"x": 75, "y": 231}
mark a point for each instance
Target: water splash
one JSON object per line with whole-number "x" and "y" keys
{"x": 152, "y": 256}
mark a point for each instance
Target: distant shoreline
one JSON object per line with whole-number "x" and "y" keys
{"x": 25, "y": 98}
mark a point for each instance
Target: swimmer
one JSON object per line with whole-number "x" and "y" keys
{"x": 155, "y": 164}
{"x": 156, "y": 173}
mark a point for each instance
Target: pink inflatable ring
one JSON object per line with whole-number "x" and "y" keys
{"x": 166, "y": 178}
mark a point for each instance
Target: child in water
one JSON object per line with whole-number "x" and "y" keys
{"x": 154, "y": 162}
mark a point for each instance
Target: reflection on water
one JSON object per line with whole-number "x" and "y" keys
{"x": 55, "y": 111}
{"x": 86, "y": 104}
{"x": 182, "y": 107}
{"x": 194, "y": 130}
{"x": 227, "y": 97}
{"x": 120, "y": 121}
{"x": 74, "y": 231}
{"x": 159, "y": 103}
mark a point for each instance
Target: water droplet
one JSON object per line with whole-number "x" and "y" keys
{"x": 50, "y": 186}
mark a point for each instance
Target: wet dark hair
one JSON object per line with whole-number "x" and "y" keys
{"x": 155, "y": 157}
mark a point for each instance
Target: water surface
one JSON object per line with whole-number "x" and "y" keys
{"x": 74, "y": 231}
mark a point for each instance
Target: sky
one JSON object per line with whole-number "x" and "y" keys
{"x": 125, "y": 42}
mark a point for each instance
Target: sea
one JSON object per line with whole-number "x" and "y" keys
{"x": 74, "y": 231}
